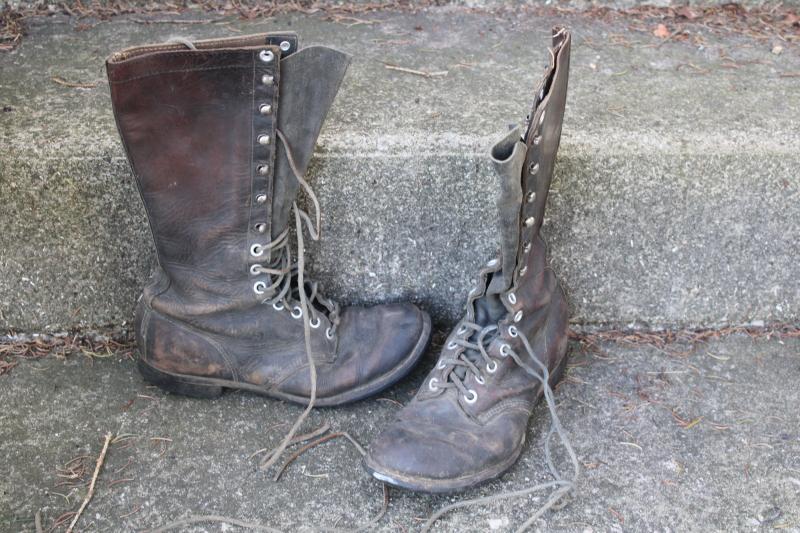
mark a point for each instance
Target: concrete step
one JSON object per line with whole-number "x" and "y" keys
{"x": 675, "y": 200}
{"x": 704, "y": 442}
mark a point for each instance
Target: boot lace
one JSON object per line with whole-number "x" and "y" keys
{"x": 284, "y": 291}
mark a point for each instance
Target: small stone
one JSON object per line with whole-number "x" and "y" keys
{"x": 769, "y": 514}
{"x": 497, "y": 523}
{"x": 777, "y": 49}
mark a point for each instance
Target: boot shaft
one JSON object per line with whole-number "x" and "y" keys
{"x": 199, "y": 123}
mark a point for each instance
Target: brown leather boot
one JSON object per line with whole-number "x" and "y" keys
{"x": 468, "y": 421}
{"x": 219, "y": 134}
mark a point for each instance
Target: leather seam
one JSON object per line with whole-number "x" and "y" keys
{"x": 223, "y": 354}
{"x": 176, "y": 71}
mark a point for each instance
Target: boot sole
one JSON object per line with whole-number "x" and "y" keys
{"x": 209, "y": 388}
{"x": 432, "y": 485}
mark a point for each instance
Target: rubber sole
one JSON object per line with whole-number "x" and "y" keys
{"x": 434, "y": 485}
{"x": 209, "y": 388}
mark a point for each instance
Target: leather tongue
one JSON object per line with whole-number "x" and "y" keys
{"x": 310, "y": 79}
{"x": 508, "y": 157}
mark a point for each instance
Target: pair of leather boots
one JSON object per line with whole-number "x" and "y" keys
{"x": 219, "y": 134}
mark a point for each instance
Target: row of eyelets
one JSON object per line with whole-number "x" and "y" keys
{"x": 256, "y": 250}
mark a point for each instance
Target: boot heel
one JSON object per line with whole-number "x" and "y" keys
{"x": 185, "y": 386}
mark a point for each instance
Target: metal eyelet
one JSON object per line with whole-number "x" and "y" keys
{"x": 530, "y": 221}
{"x": 512, "y": 298}
{"x": 262, "y": 170}
{"x": 278, "y": 306}
{"x": 530, "y": 197}
{"x": 256, "y": 250}
{"x": 286, "y": 46}
{"x": 492, "y": 263}
{"x": 537, "y": 140}
{"x": 452, "y": 346}
{"x": 329, "y": 333}
{"x": 518, "y": 316}
{"x": 533, "y": 168}
{"x": 526, "y": 247}
{"x": 432, "y": 384}
{"x": 266, "y": 56}
{"x": 441, "y": 365}
{"x": 299, "y": 312}
{"x": 491, "y": 367}
{"x": 267, "y": 79}
{"x": 260, "y": 227}
{"x": 512, "y": 331}
{"x": 523, "y": 270}
{"x": 265, "y": 109}
{"x": 471, "y": 397}
{"x": 505, "y": 350}
{"x": 479, "y": 380}
{"x": 261, "y": 198}
{"x": 315, "y": 322}
{"x": 541, "y": 94}
{"x": 263, "y": 140}
{"x": 259, "y": 287}
{"x": 461, "y": 330}
{"x": 541, "y": 118}
{"x": 255, "y": 269}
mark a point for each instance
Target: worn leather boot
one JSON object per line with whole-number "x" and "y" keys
{"x": 467, "y": 423}
{"x": 219, "y": 134}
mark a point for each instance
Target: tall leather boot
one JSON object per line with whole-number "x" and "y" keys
{"x": 467, "y": 423}
{"x": 219, "y": 134}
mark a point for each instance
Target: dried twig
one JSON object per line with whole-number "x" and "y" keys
{"x": 315, "y": 443}
{"x": 89, "y": 494}
{"x": 77, "y": 85}
{"x": 296, "y": 440}
{"x": 423, "y": 73}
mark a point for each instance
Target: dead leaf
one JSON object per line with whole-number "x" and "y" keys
{"x": 661, "y": 31}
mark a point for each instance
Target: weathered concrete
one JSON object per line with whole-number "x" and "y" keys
{"x": 675, "y": 201}
{"x": 734, "y": 467}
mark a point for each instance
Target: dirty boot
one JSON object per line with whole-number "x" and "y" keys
{"x": 219, "y": 134}
{"x": 468, "y": 421}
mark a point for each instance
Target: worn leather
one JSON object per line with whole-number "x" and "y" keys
{"x": 190, "y": 121}
{"x": 440, "y": 441}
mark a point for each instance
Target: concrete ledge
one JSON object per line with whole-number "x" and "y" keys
{"x": 708, "y": 441}
{"x": 675, "y": 200}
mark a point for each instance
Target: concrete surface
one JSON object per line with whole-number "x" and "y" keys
{"x": 675, "y": 201}
{"x": 735, "y": 466}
